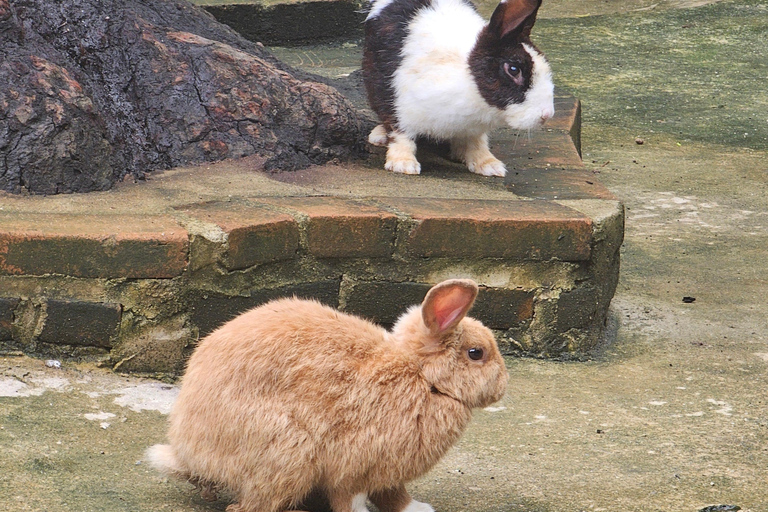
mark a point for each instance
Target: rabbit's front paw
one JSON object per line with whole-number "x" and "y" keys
{"x": 401, "y": 155}
{"x": 403, "y": 166}
{"x": 378, "y": 136}
{"x": 490, "y": 166}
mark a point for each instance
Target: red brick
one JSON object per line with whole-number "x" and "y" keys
{"x": 342, "y": 228}
{"x": 523, "y": 230}
{"x": 105, "y": 246}
{"x": 255, "y": 234}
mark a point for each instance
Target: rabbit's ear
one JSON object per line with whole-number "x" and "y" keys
{"x": 447, "y": 303}
{"x": 514, "y": 17}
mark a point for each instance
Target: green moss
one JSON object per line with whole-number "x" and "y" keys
{"x": 696, "y": 74}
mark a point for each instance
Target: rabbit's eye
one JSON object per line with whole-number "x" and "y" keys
{"x": 514, "y": 73}
{"x": 475, "y": 354}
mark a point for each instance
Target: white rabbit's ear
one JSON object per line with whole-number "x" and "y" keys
{"x": 514, "y": 16}
{"x": 447, "y": 303}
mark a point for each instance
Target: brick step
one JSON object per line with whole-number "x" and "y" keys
{"x": 136, "y": 275}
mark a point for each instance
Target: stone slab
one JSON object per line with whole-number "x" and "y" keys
{"x": 522, "y": 230}
{"x": 104, "y": 246}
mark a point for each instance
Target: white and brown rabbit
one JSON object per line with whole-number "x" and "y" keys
{"x": 294, "y": 397}
{"x": 434, "y": 68}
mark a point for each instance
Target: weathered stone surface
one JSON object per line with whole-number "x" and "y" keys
{"x": 7, "y": 307}
{"x": 555, "y": 183}
{"x": 81, "y": 323}
{"x": 501, "y": 308}
{"x": 104, "y": 246}
{"x": 93, "y": 91}
{"x": 495, "y": 229}
{"x": 342, "y": 228}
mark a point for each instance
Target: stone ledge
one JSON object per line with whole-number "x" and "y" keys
{"x": 518, "y": 230}
{"x": 136, "y": 275}
{"x": 90, "y": 246}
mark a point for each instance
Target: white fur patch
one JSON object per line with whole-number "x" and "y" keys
{"x": 378, "y": 136}
{"x": 359, "y": 503}
{"x": 539, "y": 99}
{"x": 417, "y": 506}
{"x": 435, "y": 94}
{"x": 376, "y": 7}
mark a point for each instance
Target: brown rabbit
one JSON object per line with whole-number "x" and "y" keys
{"x": 294, "y": 397}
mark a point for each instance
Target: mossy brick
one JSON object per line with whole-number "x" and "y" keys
{"x": 342, "y": 228}
{"x": 90, "y": 324}
{"x": 8, "y": 306}
{"x": 92, "y": 246}
{"x": 503, "y": 308}
{"x": 209, "y": 310}
{"x": 383, "y": 302}
{"x": 255, "y": 234}
{"x": 578, "y": 308}
{"x": 515, "y": 229}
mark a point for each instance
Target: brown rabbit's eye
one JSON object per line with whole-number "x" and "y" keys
{"x": 475, "y": 354}
{"x": 514, "y": 73}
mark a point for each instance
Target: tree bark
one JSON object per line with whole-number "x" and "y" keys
{"x": 92, "y": 91}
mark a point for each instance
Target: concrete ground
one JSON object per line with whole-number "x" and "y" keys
{"x": 670, "y": 415}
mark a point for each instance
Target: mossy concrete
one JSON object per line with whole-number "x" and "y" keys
{"x": 671, "y": 414}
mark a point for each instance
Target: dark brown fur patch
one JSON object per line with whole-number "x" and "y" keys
{"x": 384, "y": 38}
{"x": 486, "y": 62}
{"x": 500, "y": 43}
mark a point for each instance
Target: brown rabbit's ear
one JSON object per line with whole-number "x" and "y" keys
{"x": 514, "y": 16}
{"x": 447, "y": 303}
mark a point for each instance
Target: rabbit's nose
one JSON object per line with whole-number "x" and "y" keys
{"x": 547, "y": 113}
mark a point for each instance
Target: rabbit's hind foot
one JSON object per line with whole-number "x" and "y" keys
{"x": 478, "y": 157}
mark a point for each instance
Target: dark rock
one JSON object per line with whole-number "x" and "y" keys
{"x": 97, "y": 90}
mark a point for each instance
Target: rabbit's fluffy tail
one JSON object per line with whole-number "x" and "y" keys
{"x": 162, "y": 458}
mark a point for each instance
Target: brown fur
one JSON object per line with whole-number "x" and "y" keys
{"x": 294, "y": 396}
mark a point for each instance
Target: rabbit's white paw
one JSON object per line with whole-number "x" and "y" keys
{"x": 489, "y": 166}
{"x": 403, "y": 166}
{"x": 359, "y": 503}
{"x": 479, "y": 159}
{"x": 378, "y": 136}
{"x": 417, "y": 506}
{"x": 401, "y": 155}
